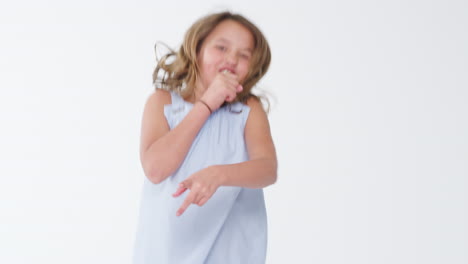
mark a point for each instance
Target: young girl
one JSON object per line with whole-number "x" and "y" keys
{"x": 206, "y": 149}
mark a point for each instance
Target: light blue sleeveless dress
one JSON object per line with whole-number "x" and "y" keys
{"x": 230, "y": 228}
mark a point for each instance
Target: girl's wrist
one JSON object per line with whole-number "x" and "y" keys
{"x": 206, "y": 105}
{"x": 201, "y": 110}
{"x": 218, "y": 173}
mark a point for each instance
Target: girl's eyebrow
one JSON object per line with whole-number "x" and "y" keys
{"x": 227, "y": 41}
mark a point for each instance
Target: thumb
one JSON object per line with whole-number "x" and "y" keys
{"x": 187, "y": 183}
{"x": 182, "y": 188}
{"x": 239, "y": 88}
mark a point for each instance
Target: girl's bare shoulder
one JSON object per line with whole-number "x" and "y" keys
{"x": 154, "y": 124}
{"x": 255, "y": 104}
{"x": 159, "y": 97}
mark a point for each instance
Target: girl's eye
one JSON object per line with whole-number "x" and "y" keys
{"x": 245, "y": 56}
{"x": 222, "y": 48}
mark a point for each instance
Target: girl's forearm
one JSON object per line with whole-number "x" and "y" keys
{"x": 167, "y": 153}
{"x": 258, "y": 173}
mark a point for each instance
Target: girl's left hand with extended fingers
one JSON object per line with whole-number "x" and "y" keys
{"x": 202, "y": 185}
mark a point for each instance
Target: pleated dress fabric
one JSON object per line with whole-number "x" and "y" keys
{"x": 231, "y": 227}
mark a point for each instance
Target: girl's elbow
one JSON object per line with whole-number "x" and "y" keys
{"x": 154, "y": 171}
{"x": 154, "y": 179}
{"x": 156, "y": 175}
{"x": 273, "y": 178}
{"x": 274, "y": 173}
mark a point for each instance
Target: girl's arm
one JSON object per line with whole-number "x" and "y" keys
{"x": 261, "y": 168}
{"x": 258, "y": 172}
{"x": 162, "y": 150}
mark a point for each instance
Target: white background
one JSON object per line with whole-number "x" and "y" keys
{"x": 370, "y": 121}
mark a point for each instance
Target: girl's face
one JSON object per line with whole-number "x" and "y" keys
{"x": 229, "y": 46}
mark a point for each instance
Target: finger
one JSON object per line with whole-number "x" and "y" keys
{"x": 230, "y": 98}
{"x": 229, "y": 75}
{"x": 227, "y": 72}
{"x": 232, "y": 91}
{"x": 235, "y": 88}
{"x": 187, "y": 183}
{"x": 185, "y": 204}
{"x": 199, "y": 198}
{"x": 202, "y": 201}
{"x": 179, "y": 191}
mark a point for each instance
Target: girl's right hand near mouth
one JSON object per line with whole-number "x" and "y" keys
{"x": 223, "y": 88}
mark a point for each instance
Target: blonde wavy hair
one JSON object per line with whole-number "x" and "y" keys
{"x": 179, "y": 71}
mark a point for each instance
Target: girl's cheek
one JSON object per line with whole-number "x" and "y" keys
{"x": 245, "y": 70}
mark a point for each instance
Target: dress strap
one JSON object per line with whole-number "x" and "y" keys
{"x": 236, "y": 108}
{"x": 177, "y": 100}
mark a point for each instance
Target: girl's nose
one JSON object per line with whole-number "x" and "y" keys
{"x": 231, "y": 58}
